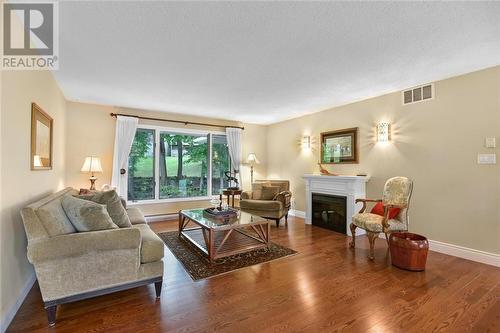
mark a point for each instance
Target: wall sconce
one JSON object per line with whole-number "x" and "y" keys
{"x": 306, "y": 142}
{"x": 383, "y": 132}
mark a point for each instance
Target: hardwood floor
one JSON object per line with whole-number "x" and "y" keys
{"x": 326, "y": 287}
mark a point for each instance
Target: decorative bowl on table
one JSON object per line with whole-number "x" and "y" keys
{"x": 220, "y": 214}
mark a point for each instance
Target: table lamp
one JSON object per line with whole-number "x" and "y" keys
{"x": 252, "y": 160}
{"x": 92, "y": 164}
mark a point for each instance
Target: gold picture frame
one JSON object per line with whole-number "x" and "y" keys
{"x": 339, "y": 147}
{"x": 41, "y": 139}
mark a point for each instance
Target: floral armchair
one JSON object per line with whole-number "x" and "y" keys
{"x": 397, "y": 194}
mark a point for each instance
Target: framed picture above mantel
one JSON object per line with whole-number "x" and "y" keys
{"x": 339, "y": 146}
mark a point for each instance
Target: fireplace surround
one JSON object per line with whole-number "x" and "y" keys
{"x": 349, "y": 187}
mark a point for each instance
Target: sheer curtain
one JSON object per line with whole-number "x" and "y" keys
{"x": 234, "y": 145}
{"x": 124, "y": 137}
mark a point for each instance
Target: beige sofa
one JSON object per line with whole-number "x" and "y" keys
{"x": 273, "y": 209}
{"x": 71, "y": 265}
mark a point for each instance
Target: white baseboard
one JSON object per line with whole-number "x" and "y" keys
{"x": 297, "y": 213}
{"x": 162, "y": 217}
{"x": 484, "y": 257}
{"x": 11, "y": 313}
{"x": 465, "y": 252}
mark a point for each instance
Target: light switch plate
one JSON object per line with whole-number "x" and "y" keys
{"x": 486, "y": 159}
{"x": 490, "y": 142}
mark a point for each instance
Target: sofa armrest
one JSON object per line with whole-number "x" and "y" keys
{"x": 72, "y": 245}
{"x": 246, "y": 195}
{"x": 285, "y": 198}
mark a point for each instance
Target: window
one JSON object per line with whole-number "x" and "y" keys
{"x": 183, "y": 165}
{"x": 141, "y": 166}
{"x": 171, "y": 164}
{"x": 220, "y": 163}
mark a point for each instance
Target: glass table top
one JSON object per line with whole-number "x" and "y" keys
{"x": 241, "y": 220}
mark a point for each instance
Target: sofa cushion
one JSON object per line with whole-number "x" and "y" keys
{"x": 151, "y": 245}
{"x": 114, "y": 206}
{"x": 87, "y": 215}
{"x": 135, "y": 215}
{"x": 269, "y": 192}
{"x": 263, "y": 205}
{"x": 54, "y": 219}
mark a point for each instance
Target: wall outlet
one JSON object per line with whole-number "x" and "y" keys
{"x": 490, "y": 142}
{"x": 486, "y": 159}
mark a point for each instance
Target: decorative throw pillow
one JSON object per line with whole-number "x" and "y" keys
{"x": 269, "y": 192}
{"x": 87, "y": 215}
{"x": 257, "y": 190}
{"x": 114, "y": 205}
{"x": 379, "y": 210}
{"x": 54, "y": 219}
{"x": 115, "y": 208}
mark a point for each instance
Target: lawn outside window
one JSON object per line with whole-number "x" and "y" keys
{"x": 171, "y": 164}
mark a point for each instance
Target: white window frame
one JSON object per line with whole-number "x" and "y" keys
{"x": 157, "y": 130}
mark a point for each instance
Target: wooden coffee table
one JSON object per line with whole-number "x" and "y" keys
{"x": 216, "y": 239}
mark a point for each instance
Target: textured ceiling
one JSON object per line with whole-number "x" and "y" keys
{"x": 262, "y": 62}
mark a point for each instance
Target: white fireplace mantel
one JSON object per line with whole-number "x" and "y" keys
{"x": 351, "y": 187}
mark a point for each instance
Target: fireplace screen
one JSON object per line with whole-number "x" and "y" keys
{"x": 329, "y": 211}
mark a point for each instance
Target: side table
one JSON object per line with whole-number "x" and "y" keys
{"x": 230, "y": 195}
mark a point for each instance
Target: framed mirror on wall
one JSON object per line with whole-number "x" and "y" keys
{"x": 41, "y": 139}
{"x": 339, "y": 146}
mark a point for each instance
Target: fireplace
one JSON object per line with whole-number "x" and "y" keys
{"x": 348, "y": 187}
{"x": 329, "y": 211}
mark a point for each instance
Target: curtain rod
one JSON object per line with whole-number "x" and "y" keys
{"x": 175, "y": 121}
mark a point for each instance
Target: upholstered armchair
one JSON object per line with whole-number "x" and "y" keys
{"x": 270, "y": 199}
{"x": 396, "y": 196}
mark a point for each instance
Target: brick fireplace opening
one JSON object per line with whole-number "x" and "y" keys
{"x": 329, "y": 211}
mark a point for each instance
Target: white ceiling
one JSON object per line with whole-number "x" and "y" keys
{"x": 263, "y": 62}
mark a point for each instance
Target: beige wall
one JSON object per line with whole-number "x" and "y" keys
{"x": 435, "y": 143}
{"x": 19, "y": 185}
{"x": 91, "y": 130}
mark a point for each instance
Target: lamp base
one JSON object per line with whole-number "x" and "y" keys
{"x": 92, "y": 182}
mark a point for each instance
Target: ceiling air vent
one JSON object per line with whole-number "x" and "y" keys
{"x": 418, "y": 94}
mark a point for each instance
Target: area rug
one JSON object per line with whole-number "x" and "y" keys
{"x": 198, "y": 267}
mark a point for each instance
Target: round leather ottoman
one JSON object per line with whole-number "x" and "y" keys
{"x": 408, "y": 250}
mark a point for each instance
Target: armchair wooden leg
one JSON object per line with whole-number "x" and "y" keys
{"x": 352, "y": 243}
{"x": 286, "y": 220}
{"x": 51, "y": 314}
{"x": 158, "y": 286}
{"x": 277, "y": 223}
{"x": 387, "y": 237}
{"x": 371, "y": 238}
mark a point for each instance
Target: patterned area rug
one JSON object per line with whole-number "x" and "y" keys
{"x": 199, "y": 267}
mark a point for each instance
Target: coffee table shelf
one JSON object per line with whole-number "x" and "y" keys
{"x": 217, "y": 239}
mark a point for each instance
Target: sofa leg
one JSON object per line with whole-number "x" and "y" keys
{"x": 51, "y": 314}
{"x": 158, "y": 286}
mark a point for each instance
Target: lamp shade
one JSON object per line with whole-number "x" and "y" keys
{"x": 252, "y": 159}
{"x": 92, "y": 164}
